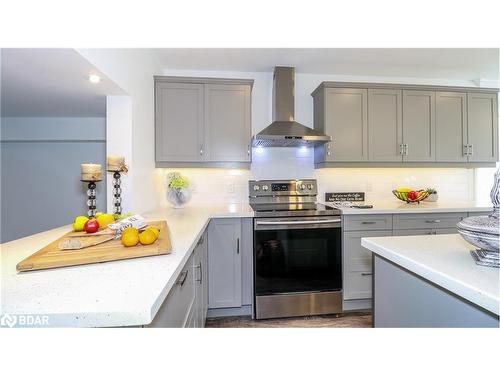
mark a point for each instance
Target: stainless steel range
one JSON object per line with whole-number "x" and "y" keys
{"x": 297, "y": 250}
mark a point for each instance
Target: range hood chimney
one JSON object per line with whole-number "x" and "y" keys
{"x": 284, "y": 131}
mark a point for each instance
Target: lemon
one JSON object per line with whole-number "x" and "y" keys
{"x": 131, "y": 230}
{"x": 79, "y": 223}
{"x": 147, "y": 237}
{"x": 104, "y": 220}
{"x": 130, "y": 239}
{"x": 155, "y": 230}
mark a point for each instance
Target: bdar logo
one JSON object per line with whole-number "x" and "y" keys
{"x": 8, "y": 320}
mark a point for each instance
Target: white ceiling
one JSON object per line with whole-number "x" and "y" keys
{"x": 462, "y": 64}
{"x": 51, "y": 83}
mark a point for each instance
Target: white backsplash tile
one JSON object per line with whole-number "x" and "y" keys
{"x": 231, "y": 185}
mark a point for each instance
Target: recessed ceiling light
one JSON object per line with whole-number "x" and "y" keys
{"x": 94, "y": 78}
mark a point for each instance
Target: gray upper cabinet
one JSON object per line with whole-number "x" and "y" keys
{"x": 385, "y": 125}
{"x": 202, "y": 122}
{"x": 179, "y": 122}
{"x": 482, "y": 127}
{"x": 419, "y": 126}
{"x": 227, "y": 119}
{"x": 224, "y": 263}
{"x": 346, "y": 121}
{"x": 451, "y": 126}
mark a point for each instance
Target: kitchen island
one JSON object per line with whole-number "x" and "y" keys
{"x": 119, "y": 293}
{"x": 431, "y": 281}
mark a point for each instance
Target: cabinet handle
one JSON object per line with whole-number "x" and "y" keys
{"x": 401, "y": 149}
{"x": 366, "y": 274}
{"x": 248, "y": 149}
{"x": 406, "y": 149}
{"x": 433, "y": 221}
{"x": 466, "y": 150}
{"x": 471, "y": 150}
{"x": 237, "y": 246}
{"x": 368, "y": 222}
{"x": 182, "y": 278}
{"x": 201, "y": 273}
{"x": 328, "y": 147}
{"x": 201, "y": 150}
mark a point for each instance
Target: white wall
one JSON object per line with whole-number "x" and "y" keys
{"x": 219, "y": 185}
{"x": 133, "y": 71}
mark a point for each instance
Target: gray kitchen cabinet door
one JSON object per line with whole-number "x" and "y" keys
{"x": 179, "y": 122}
{"x": 201, "y": 280}
{"x": 451, "y": 126}
{"x": 482, "y": 127}
{"x": 346, "y": 121}
{"x": 227, "y": 123}
{"x": 357, "y": 277}
{"x": 419, "y": 125}
{"x": 224, "y": 263}
{"x": 385, "y": 125}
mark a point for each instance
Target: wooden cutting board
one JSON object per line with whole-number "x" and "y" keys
{"x": 53, "y": 257}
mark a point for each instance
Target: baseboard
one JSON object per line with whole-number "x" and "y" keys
{"x": 357, "y": 304}
{"x": 231, "y": 311}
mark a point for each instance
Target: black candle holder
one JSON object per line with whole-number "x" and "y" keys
{"x": 91, "y": 198}
{"x": 117, "y": 191}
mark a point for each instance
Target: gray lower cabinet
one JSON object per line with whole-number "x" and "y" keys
{"x": 202, "y": 122}
{"x": 201, "y": 281}
{"x": 357, "y": 267}
{"x": 224, "y": 263}
{"x": 180, "y": 305}
{"x": 419, "y": 126}
{"x": 451, "y": 127}
{"x": 385, "y": 125}
{"x": 482, "y": 127}
{"x": 427, "y": 221}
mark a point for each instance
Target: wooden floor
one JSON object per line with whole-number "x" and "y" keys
{"x": 351, "y": 320}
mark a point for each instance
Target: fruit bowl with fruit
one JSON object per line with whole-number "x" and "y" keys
{"x": 410, "y": 196}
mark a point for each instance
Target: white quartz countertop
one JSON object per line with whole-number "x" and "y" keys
{"x": 444, "y": 260}
{"x": 398, "y": 207}
{"x": 120, "y": 293}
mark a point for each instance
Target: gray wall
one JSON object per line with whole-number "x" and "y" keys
{"x": 40, "y": 171}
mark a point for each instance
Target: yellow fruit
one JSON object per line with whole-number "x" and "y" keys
{"x": 97, "y": 214}
{"x": 155, "y": 230}
{"x": 130, "y": 239}
{"x": 104, "y": 220}
{"x": 131, "y": 230}
{"x": 79, "y": 223}
{"x": 147, "y": 237}
{"x": 403, "y": 190}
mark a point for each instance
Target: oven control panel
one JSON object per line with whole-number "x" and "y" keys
{"x": 282, "y": 187}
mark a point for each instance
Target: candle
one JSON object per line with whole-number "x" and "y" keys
{"x": 91, "y": 172}
{"x": 115, "y": 163}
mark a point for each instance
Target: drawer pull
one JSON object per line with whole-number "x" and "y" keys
{"x": 433, "y": 221}
{"x": 182, "y": 278}
{"x": 368, "y": 222}
{"x": 366, "y": 274}
{"x": 201, "y": 273}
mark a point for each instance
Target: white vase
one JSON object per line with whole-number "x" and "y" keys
{"x": 178, "y": 197}
{"x": 432, "y": 198}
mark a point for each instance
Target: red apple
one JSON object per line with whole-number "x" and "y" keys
{"x": 91, "y": 226}
{"x": 412, "y": 195}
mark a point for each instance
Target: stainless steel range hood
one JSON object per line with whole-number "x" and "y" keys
{"x": 284, "y": 131}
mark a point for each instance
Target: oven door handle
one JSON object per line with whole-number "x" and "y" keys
{"x": 293, "y": 222}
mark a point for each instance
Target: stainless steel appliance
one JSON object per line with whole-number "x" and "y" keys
{"x": 297, "y": 250}
{"x": 284, "y": 131}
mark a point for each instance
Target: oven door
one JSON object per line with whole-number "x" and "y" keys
{"x": 297, "y": 255}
